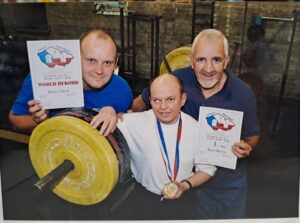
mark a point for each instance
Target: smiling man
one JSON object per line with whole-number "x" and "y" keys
{"x": 103, "y": 90}
{"x": 208, "y": 83}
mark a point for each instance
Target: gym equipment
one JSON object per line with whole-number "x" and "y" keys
{"x": 74, "y": 161}
{"x": 255, "y": 32}
{"x": 294, "y": 20}
{"x": 176, "y": 59}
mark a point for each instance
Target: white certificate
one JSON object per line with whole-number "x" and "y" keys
{"x": 218, "y": 129}
{"x": 55, "y": 68}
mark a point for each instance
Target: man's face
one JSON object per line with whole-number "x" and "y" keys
{"x": 98, "y": 61}
{"x": 209, "y": 62}
{"x": 166, "y": 100}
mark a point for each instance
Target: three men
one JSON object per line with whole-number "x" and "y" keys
{"x": 206, "y": 83}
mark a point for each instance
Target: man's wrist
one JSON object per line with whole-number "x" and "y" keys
{"x": 190, "y": 186}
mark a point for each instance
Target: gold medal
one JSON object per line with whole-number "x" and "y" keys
{"x": 170, "y": 189}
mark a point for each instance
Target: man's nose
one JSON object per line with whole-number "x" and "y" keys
{"x": 163, "y": 105}
{"x": 98, "y": 68}
{"x": 208, "y": 67}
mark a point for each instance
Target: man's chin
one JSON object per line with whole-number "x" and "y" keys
{"x": 207, "y": 86}
{"x": 163, "y": 120}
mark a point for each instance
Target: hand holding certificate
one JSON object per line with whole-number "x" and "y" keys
{"x": 219, "y": 129}
{"x": 55, "y": 68}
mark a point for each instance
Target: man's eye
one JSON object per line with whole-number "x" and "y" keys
{"x": 217, "y": 59}
{"x": 155, "y": 101}
{"x": 108, "y": 63}
{"x": 91, "y": 61}
{"x": 200, "y": 60}
{"x": 170, "y": 99}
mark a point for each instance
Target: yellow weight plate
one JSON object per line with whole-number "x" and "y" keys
{"x": 96, "y": 166}
{"x": 178, "y": 58}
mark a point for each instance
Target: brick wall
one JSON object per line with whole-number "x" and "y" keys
{"x": 229, "y": 18}
{"x": 69, "y": 20}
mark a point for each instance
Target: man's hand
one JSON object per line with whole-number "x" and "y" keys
{"x": 182, "y": 187}
{"x": 241, "y": 149}
{"x": 108, "y": 118}
{"x": 38, "y": 114}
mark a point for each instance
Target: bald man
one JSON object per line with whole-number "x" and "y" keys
{"x": 103, "y": 91}
{"x": 162, "y": 144}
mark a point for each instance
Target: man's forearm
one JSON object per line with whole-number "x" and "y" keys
{"x": 199, "y": 178}
{"x": 252, "y": 140}
{"x": 138, "y": 104}
{"x": 22, "y": 123}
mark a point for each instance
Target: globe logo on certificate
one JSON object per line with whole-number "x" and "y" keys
{"x": 219, "y": 121}
{"x": 55, "y": 56}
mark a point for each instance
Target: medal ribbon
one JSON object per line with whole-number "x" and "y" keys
{"x": 176, "y": 161}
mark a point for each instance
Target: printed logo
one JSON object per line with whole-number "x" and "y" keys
{"x": 52, "y": 56}
{"x": 218, "y": 121}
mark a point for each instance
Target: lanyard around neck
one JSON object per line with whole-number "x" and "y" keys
{"x": 176, "y": 161}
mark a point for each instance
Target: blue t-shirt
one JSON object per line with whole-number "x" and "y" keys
{"x": 116, "y": 93}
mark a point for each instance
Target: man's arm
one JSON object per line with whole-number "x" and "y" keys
{"x": 27, "y": 122}
{"x": 138, "y": 104}
{"x": 22, "y": 123}
{"x": 196, "y": 180}
{"x": 244, "y": 147}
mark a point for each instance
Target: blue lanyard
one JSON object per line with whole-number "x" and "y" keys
{"x": 176, "y": 161}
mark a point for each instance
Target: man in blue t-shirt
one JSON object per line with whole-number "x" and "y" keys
{"x": 208, "y": 83}
{"x": 103, "y": 91}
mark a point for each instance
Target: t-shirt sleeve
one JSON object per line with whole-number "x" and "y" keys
{"x": 20, "y": 106}
{"x": 145, "y": 96}
{"x": 250, "y": 125}
{"x": 126, "y": 97}
{"x": 206, "y": 168}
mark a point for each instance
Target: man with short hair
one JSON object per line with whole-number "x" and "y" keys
{"x": 208, "y": 83}
{"x": 104, "y": 91}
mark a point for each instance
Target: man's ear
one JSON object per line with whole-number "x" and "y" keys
{"x": 116, "y": 63}
{"x": 183, "y": 98}
{"x": 227, "y": 59}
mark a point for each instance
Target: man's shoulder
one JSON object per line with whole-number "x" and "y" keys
{"x": 238, "y": 85}
{"x": 138, "y": 119}
{"x": 183, "y": 71}
{"x": 149, "y": 114}
{"x": 188, "y": 118}
{"x": 118, "y": 82}
{"x": 118, "y": 79}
